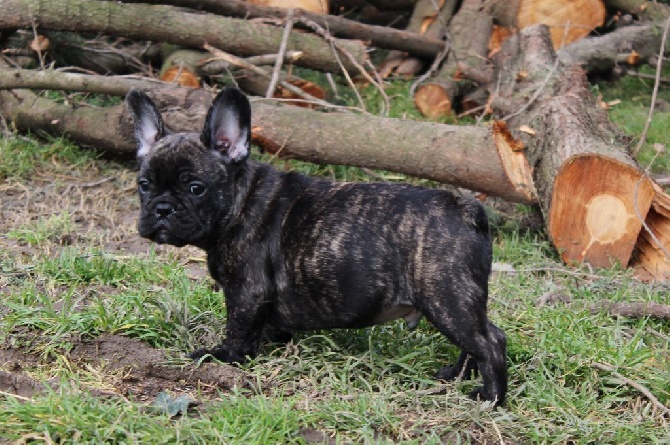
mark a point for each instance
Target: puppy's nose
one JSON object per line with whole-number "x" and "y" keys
{"x": 163, "y": 209}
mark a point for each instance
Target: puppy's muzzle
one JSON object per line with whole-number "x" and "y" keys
{"x": 163, "y": 210}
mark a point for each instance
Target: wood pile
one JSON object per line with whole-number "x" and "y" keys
{"x": 522, "y": 64}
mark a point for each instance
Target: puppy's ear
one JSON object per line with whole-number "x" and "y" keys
{"x": 147, "y": 120}
{"x": 228, "y": 126}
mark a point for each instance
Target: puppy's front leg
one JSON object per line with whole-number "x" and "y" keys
{"x": 246, "y": 318}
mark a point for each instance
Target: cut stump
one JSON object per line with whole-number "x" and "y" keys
{"x": 652, "y": 250}
{"x": 593, "y": 215}
{"x": 568, "y": 20}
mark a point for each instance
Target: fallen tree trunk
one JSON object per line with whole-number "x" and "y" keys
{"x": 602, "y": 53}
{"x": 55, "y": 80}
{"x": 379, "y": 36}
{"x": 593, "y": 195}
{"x": 476, "y": 158}
{"x": 172, "y": 25}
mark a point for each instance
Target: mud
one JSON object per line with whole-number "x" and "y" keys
{"x": 127, "y": 367}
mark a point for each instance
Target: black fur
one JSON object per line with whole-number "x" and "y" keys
{"x": 294, "y": 253}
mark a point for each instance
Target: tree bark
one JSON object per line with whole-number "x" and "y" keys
{"x": 172, "y": 25}
{"x": 602, "y": 53}
{"x": 55, "y": 80}
{"x": 379, "y": 36}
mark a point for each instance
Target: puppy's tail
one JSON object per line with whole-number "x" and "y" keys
{"x": 475, "y": 215}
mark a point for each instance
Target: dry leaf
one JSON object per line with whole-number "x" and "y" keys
{"x": 39, "y": 44}
{"x": 633, "y": 58}
{"x": 526, "y": 129}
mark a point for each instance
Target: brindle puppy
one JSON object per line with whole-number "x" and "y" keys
{"x": 294, "y": 253}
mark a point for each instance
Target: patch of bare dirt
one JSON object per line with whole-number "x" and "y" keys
{"x": 128, "y": 368}
{"x": 91, "y": 206}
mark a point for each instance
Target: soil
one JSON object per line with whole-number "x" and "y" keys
{"x": 101, "y": 200}
{"x": 130, "y": 367}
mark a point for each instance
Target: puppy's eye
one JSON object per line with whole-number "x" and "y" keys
{"x": 196, "y": 188}
{"x": 143, "y": 185}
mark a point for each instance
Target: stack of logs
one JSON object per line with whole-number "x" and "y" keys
{"x": 550, "y": 142}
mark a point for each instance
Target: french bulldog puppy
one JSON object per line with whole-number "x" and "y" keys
{"x": 295, "y": 253}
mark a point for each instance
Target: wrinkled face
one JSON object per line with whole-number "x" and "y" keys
{"x": 183, "y": 189}
{"x": 184, "y": 180}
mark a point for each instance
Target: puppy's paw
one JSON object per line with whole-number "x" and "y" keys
{"x": 274, "y": 335}
{"x": 481, "y": 394}
{"x": 221, "y": 354}
{"x": 461, "y": 371}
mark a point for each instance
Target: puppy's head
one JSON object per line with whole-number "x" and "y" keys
{"x": 185, "y": 179}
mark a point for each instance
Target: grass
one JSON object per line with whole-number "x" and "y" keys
{"x": 631, "y": 115}
{"x": 73, "y": 270}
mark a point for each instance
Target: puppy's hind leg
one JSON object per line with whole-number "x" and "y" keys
{"x": 469, "y": 329}
{"x": 492, "y": 365}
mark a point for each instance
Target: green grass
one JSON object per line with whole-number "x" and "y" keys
{"x": 631, "y": 115}
{"x": 61, "y": 284}
{"x": 21, "y": 156}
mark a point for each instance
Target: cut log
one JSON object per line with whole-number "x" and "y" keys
{"x": 180, "y": 65}
{"x": 173, "y": 25}
{"x": 100, "y": 55}
{"x": 429, "y": 18}
{"x": 593, "y": 195}
{"x": 592, "y": 216}
{"x": 470, "y": 32}
{"x": 379, "y": 36}
{"x": 653, "y": 249}
{"x": 317, "y": 6}
{"x": 602, "y": 53}
{"x": 568, "y": 20}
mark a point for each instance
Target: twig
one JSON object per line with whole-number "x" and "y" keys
{"x": 242, "y": 63}
{"x": 647, "y": 76}
{"x": 351, "y": 83}
{"x": 324, "y": 34}
{"x": 282, "y": 50}
{"x": 633, "y": 384}
{"x": 657, "y": 82}
{"x": 16, "y": 396}
{"x": 38, "y": 50}
{"x": 329, "y": 38}
{"x": 633, "y": 310}
{"x": 435, "y": 65}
